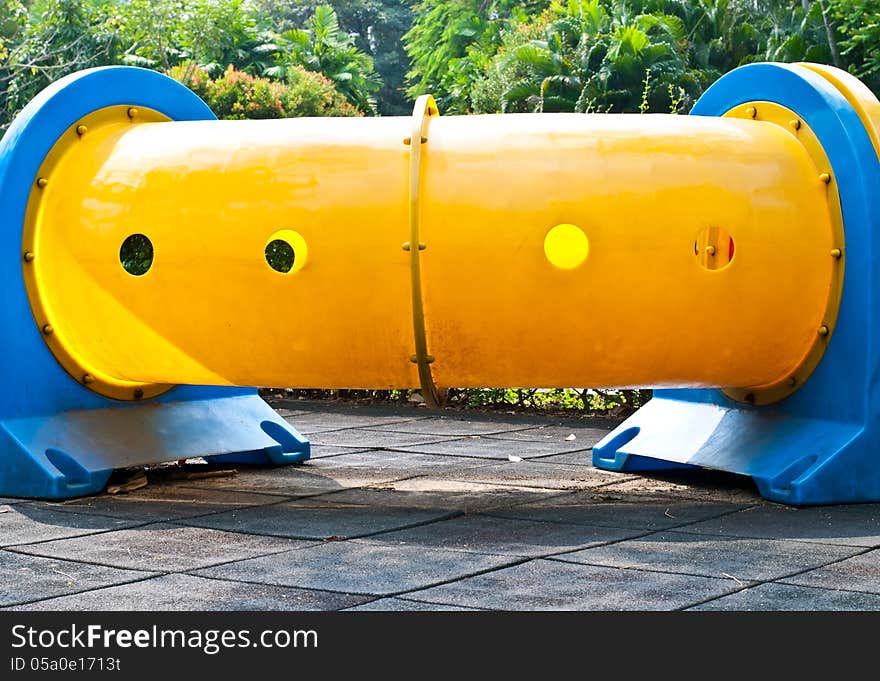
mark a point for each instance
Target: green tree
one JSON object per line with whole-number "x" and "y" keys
{"x": 65, "y": 36}
{"x": 858, "y": 27}
{"x": 377, "y": 27}
{"x": 451, "y": 42}
{"x": 211, "y": 33}
{"x": 591, "y": 56}
{"x": 325, "y": 48}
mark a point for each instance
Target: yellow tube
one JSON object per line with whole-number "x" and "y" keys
{"x": 640, "y": 286}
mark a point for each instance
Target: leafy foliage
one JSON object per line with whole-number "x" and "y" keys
{"x": 48, "y": 39}
{"x": 66, "y": 36}
{"x": 858, "y": 25}
{"x": 267, "y": 59}
{"x": 238, "y": 95}
{"x": 588, "y": 57}
{"x": 377, "y": 27}
{"x": 323, "y": 47}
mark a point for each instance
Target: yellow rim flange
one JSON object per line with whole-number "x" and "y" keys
{"x": 54, "y": 337}
{"x": 797, "y": 127}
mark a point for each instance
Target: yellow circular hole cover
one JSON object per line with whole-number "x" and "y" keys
{"x": 286, "y": 251}
{"x": 566, "y": 246}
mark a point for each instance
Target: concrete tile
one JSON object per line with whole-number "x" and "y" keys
{"x": 536, "y": 473}
{"x": 162, "y": 548}
{"x": 493, "y": 448}
{"x": 456, "y": 426}
{"x": 720, "y": 557}
{"x": 319, "y": 451}
{"x": 313, "y": 477}
{"x": 169, "y": 501}
{"x": 858, "y": 573}
{"x": 579, "y": 458}
{"x": 596, "y": 508}
{"x": 854, "y": 525}
{"x": 503, "y": 536}
{"x": 585, "y": 436}
{"x": 393, "y": 465}
{"x": 358, "y": 567}
{"x": 551, "y": 585}
{"x": 373, "y": 439}
{"x": 324, "y": 421}
{"x": 30, "y": 522}
{"x": 451, "y": 495}
{"x": 188, "y": 592}
{"x": 284, "y": 413}
{"x": 402, "y": 604}
{"x": 785, "y": 597}
{"x": 27, "y": 578}
{"x": 318, "y": 520}
{"x": 704, "y": 485}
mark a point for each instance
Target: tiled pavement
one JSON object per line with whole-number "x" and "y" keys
{"x": 404, "y": 509}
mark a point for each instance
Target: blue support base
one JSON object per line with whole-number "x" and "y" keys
{"x": 57, "y": 438}
{"x": 73, "y": 453}
{"x": 821, "y": 445}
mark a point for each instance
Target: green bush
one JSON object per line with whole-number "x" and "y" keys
{"x": 239, "y": 95}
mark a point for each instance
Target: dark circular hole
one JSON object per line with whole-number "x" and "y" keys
{"x": 136, "y": 254}
{"x": 280, "y": 255}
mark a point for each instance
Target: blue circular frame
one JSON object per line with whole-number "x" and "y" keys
{"x": 849, "y": 360}
{"x": 33, "y": 381}
{"x": 819, "y": 445}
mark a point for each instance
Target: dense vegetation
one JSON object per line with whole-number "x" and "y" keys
{"x": 375, "y": 56}
{"x": 280, "y": 58}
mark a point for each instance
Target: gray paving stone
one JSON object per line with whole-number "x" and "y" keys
{"x": 437, "y": 493}
{"x": 859, "y": 573}
{"x": 596, "y": 508}
{"x": 322, "y": 422}
{"x": 170, "y": 501}
{"x": 854, "y": 525}
{"x": 318, "y": 520}
{"x": 162, "y": 548}
{"x": 704, "y": 485}
{"x": 584, "y": 435}
{"x": 374, "y": 439}
{"x": 319, "y": 451}
{"x": 785, "y": 597}
{"x": 578, "y": 458}
{"x": 319, "y": 476}
{"x": 536, "y": 473}
{"x": 721, "y": 557}
{"x": 188, "y": 592}
{"x": 292, "y": 412}
{"x": 456, "y": 427}
{"x": 488, "y": 534}
{"x": 551, "y": 585}
{"x": 28, "y": 578}
{"x": 31, "y": 522}
{"x": 493, "y": 448}
{"x": 394, "y": 465}
{"x": 358, "y": 567}
{"x": 400, "y": 604}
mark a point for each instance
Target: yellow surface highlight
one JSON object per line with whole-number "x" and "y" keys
{"x": 643, "y": 311}
{"x": 566, "y": 246}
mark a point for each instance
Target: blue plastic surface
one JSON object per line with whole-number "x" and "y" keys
{"x": 57, "y": 438}
{"x": 822, "y": 444}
